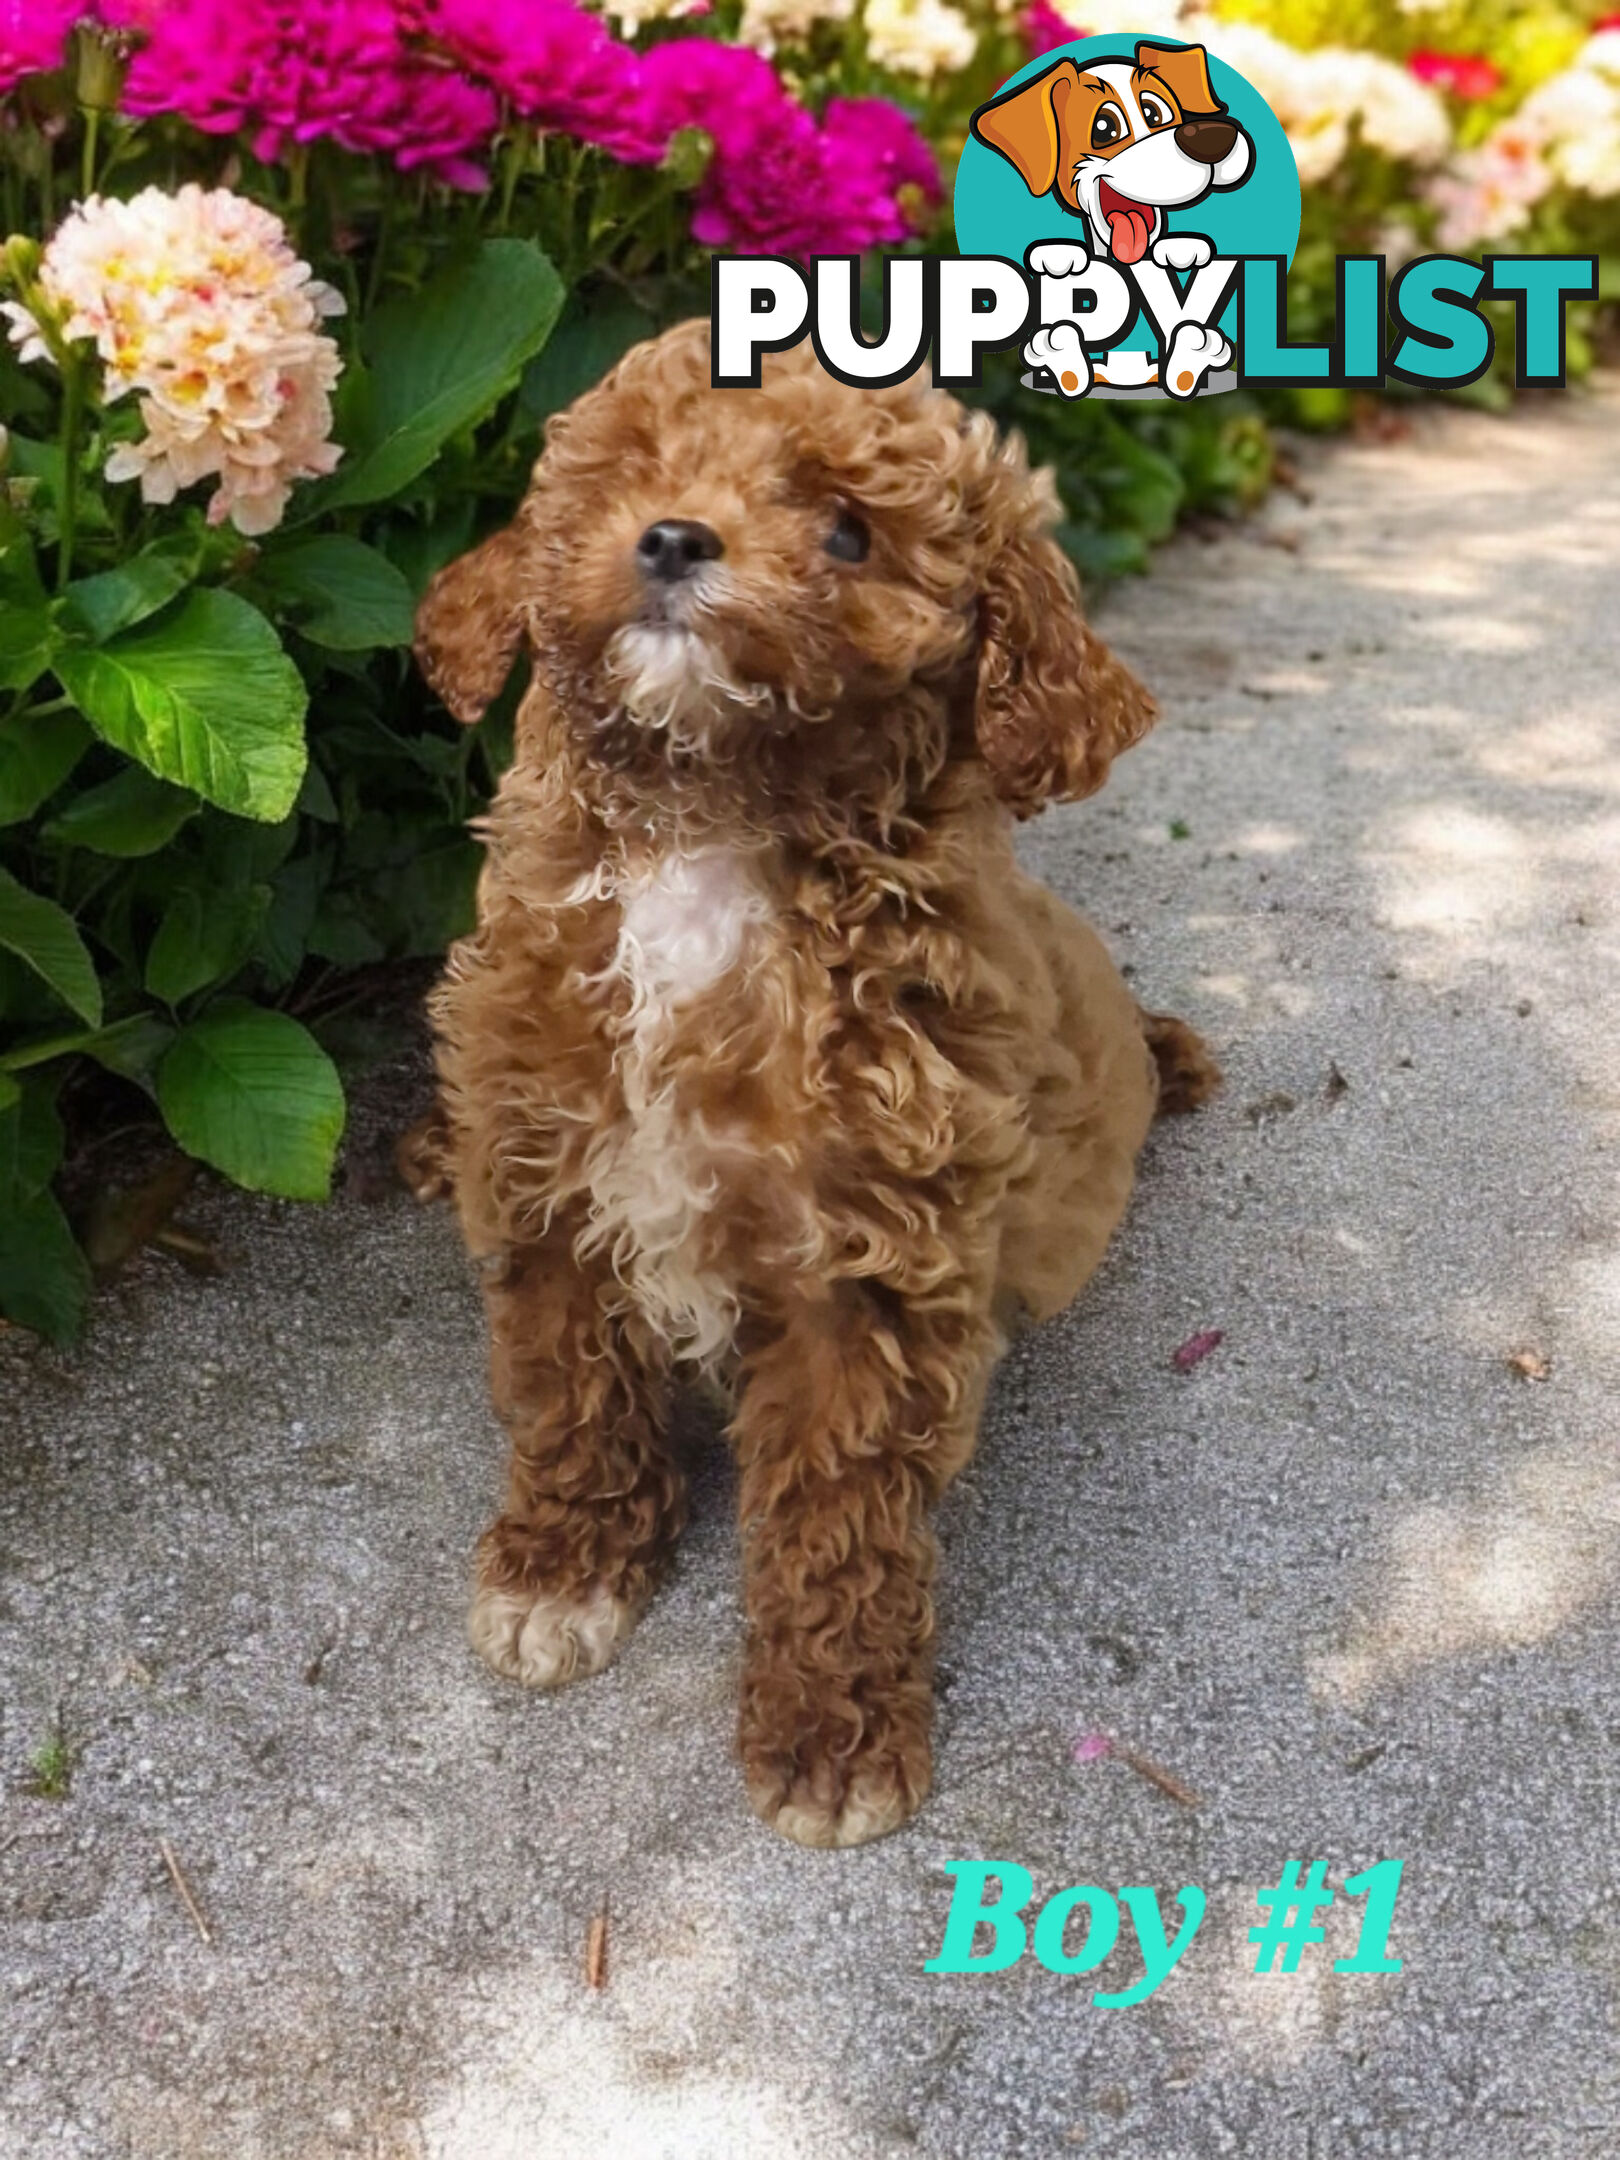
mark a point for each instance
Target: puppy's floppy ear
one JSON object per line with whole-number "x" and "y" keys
{"x": 1026, "y": 127}
{"x": 1054, "y": 707}
{"x": 470, "y": 623}
{"x": 1185, "y": 73}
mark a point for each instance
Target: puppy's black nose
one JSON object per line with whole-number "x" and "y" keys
{"x": 673, "y": 548}
{"x": 1206, "y": 140}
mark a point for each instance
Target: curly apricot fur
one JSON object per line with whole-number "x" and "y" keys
{"x": 765, "y": 1052}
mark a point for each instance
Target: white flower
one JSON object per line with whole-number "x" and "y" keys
{"x": 1576, "y": 118}
{"x": 1488, "y": 193}
{"x": 1399, "y": 115}
{"x": 1149, "y": 19}
{"x": 631, "y": 14}
{"x": 919, "y": 37}
{"x": 769, "y": 23}
{"x": 196, "y": 302}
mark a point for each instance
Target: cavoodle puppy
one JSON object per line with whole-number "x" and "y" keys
{"x": 765, "y": 1056}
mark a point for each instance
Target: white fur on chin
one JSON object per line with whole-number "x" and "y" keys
{"x": 672, "y": 679}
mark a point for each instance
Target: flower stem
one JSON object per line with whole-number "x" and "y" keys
{"x": 87, "y": 167}
{"x": 68, "y": 508}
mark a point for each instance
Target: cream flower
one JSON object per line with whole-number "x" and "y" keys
{"x": 197, "y": 303}
{"x": 769, "y": 23}
{"x": 918, "y": 37}
{"x": 1488, "y": 193}
{"x": 629, "y": 15}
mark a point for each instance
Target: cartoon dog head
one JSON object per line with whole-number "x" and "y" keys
{"x": 1120, "y": 143}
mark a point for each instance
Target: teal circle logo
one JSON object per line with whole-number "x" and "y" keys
{"x": 1122, "y": 162}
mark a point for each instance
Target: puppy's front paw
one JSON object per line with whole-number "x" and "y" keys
{"x": 1059, "y": 258}
{"x": 825, "y": 1811}
{"x": 1182, "y": 251}
{"x": 546, "y": 1638}
{"x": 837, "y": 1779}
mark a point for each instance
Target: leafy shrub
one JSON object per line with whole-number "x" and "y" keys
{"x": 223, "y": 789}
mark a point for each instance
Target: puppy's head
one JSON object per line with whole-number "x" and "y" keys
{"x": 711, "y": 574}
{"x": 1121, "y": 142}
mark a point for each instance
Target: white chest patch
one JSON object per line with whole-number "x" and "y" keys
{"x": 684, "y": 924}
{"x": 687, "y": 922}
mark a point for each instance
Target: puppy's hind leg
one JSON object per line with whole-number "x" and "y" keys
{"x": 594, "y": 1499}
{"x": 1188, "y": 1073}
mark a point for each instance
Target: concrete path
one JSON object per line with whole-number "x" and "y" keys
{"x": 1351, "y": 1581}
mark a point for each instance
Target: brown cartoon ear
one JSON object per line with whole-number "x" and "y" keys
{"x": 1055, "y": 708}
{"x": 1026, "y": 127}
{"x": 1184, "y": 73}
{"x": 470, "y": 623}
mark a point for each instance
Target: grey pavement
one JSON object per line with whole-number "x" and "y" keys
{"x": 1351, "y": 1581}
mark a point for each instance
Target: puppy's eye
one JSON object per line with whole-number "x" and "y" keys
{"x": 1154, "y": 113}
{"x": 849, "y": 539}
{"x": 1108, "y": 128}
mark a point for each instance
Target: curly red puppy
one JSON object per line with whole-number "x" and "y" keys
{"x": 765, "y": 1055}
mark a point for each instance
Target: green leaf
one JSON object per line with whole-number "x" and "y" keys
{"x": 47, "y": 938}
{"x": 441, "y": 359}
{"x": 130, "y": 814}
{"x": 131, "y": 1048}
{"x": 340, "y": 593}
{"x": 204, "y": 696}
{"x": 30, "y": 1143}
{"x": 36, "y": 756}
{"x": 99, "y": 607}
{"x": 27, "y": 631}
{"x": 44, "y": 1278}
{"x": 203, "y": 938}
{"x": 253, "y": 1093}
{"x": 588, "y": 339}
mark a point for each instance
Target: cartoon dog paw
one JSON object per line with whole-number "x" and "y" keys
{"x": 1060, "y": 348}
{"x": 1058, "y": 258}
{"x": 1182, "y": 251}
{"x": 1194, "y": 351}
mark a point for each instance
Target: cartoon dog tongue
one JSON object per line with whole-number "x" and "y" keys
{"x": 1130, "y": 224}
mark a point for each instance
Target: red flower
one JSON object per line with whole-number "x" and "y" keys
{"x": 1466, "y": 75}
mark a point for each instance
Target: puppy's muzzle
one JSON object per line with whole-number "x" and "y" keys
{"x": 1208, "y": 141}
{"x": 675, "y": 547}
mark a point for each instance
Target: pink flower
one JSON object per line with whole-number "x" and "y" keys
{"x": 424, "y": 82}
{"x": 345, "y": 70}
{"x": 556, "y": 66}
{"x": 777, "y": 184}
{"x": 33, "y": 37}
{"x": 1465, "y": 75}
{"x": 878, "y": 134}
{"x": 1044, "y": 28}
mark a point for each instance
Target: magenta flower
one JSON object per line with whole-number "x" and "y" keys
{"x": 1044, "y": 28}
{"x": 346, "y": 71}
{"x": 878, "y": 135}
{"x": 777, "y": 184}
{"x": 33, "y": 37}
{"x": 556, "y": 66}
{"x": 424, "y": 83}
